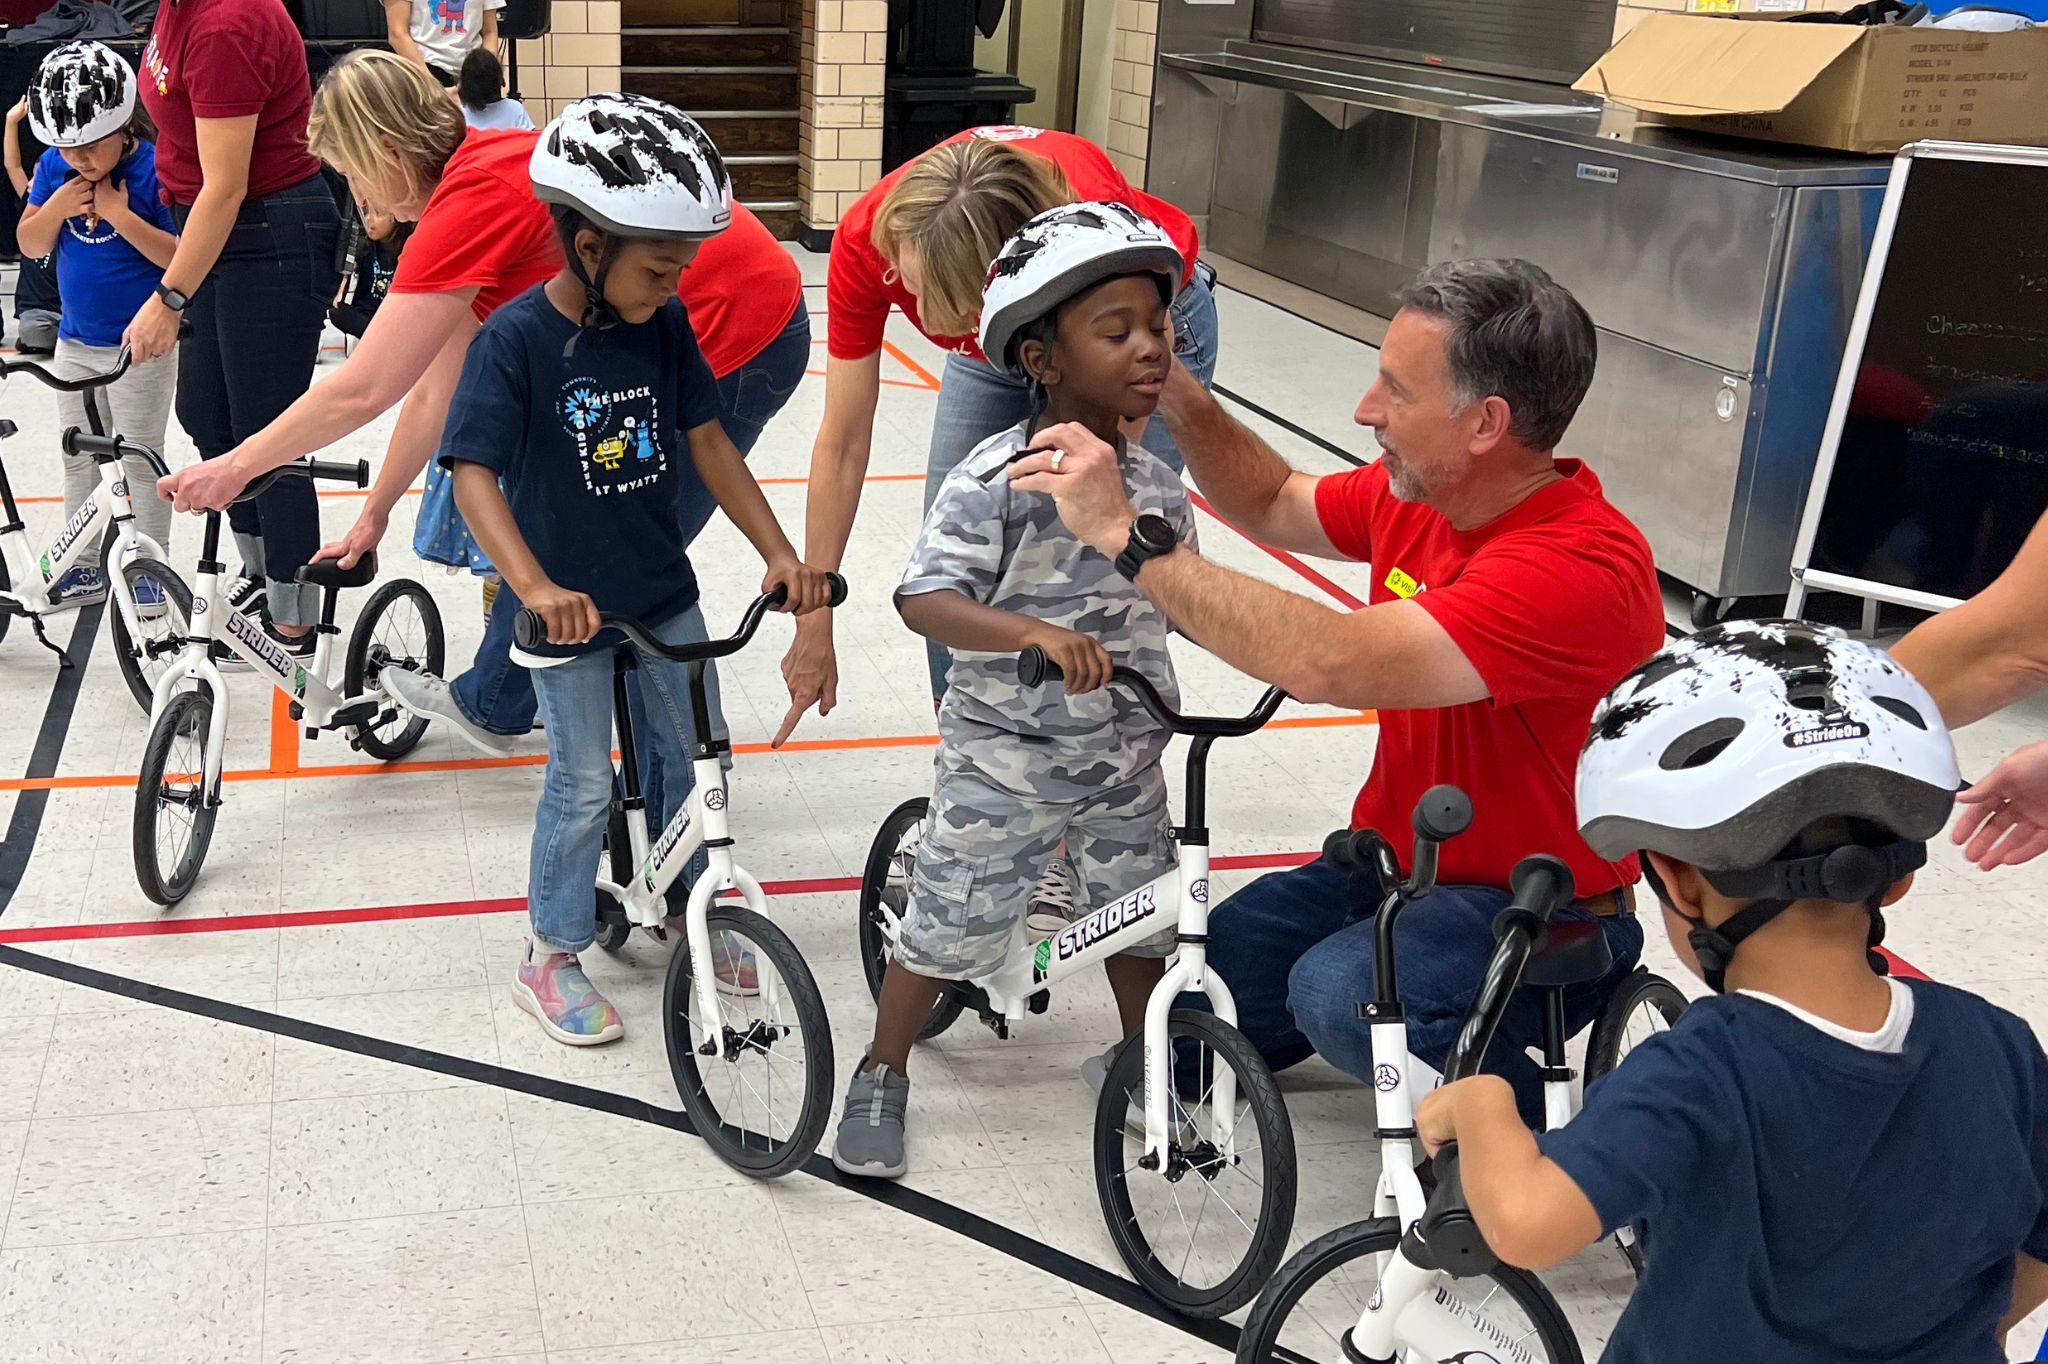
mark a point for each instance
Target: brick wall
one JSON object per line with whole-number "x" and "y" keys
{"x": 1130, "y": 79}
{"x": 841, "y": 59}
{"x": 579, "y": 55}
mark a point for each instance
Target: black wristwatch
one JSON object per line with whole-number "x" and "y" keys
{"x": 173, "y": 300}
{"x": 1151, "y": 536}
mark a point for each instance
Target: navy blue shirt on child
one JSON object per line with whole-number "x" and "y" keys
{"x": 590, "y": 447}
{"x": 1807, "y": 1195}
{"x": 101, "y": 277}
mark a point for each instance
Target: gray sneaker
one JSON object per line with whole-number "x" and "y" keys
{"x": 1095, "y": 1071}
{"x": 870, "y": 1140}
{"x": 428, "y": 697}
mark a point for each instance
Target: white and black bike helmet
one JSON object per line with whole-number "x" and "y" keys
{"x": 82, "y": 92}
{"x": 1726, "y": 746}
{"x": 1057, "y": 255}
{"x": 633, "y": 167}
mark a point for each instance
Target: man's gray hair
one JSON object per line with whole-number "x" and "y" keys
{"x": 1514, "y": 333}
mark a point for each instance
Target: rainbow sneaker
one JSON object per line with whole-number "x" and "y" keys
{"x": 552, "y": 987}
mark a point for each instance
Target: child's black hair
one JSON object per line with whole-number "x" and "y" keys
{"x": 568, "y": 222}
{"x": 482, "y": 82}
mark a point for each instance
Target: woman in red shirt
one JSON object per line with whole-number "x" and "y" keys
{"x": 921, "y": 241}
{"x": 226, "y": 83}
{"x": 482, "y": 239}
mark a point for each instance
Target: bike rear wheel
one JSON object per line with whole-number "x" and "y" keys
{"x": 144, "y": 660}
{"x": 1157, "y": 1218}
{"x": 885, "y": 897}
{"x": 173, "y": 814}
{"x": 1642, "y": 1006}
{"x": 1307, "y": 1309}
{"x": 761, "y": 1107}
{"x": 400, "y": 627}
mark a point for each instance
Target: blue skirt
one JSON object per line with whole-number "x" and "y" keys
{"x": 441, "y": 536}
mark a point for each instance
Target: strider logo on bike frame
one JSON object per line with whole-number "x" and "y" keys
{"x": 1140, "y": 905}
{"x": 674, "y": 834}
{"x": 265, "y": 648}
{"x": 74, "y": 528}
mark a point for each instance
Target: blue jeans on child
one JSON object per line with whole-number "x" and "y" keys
{"x": 575, "y": 797}
{"x": 976, "y": 401}
{"x": 496, "y": 694}
{"x": 1296, "y": 949}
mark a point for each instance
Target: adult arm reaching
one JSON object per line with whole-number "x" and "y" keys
{"x": 1993, "y": 649}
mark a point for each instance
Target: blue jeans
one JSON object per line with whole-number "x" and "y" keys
{"x": 576, "y": 794}
{"x": 497, "y": 694}
{"x": 255, "y": 336}
{"x": 976, "y": 401}
{"x": 1296, "y": 949}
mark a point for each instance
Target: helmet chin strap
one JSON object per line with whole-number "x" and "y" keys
{"x": 1848, "y": 874}
{"x": 598, "y": 313}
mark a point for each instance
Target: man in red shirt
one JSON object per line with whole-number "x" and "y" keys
{"x": 1508, "y": 596}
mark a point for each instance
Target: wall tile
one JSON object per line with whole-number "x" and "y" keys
{"x": 864, "y": 79}
{"x": 584, "y": 49}
{"x": 842, "y": 47}
{"x": 569, "y": 16}
{"x": 867, "y": 16}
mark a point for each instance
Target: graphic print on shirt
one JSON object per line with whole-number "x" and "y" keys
{"x": 159, "y": 69}
{"x": 450, "y": 15}
{"x": 617, "y": 434}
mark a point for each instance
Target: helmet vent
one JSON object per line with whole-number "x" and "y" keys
{"x": 1903, "y": 709}
{"x": 1700, "y": 746}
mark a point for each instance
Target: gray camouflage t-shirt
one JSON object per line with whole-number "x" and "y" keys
{"x": 1010, "y": 550}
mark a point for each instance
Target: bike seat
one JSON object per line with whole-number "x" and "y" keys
{"x": 330, "y": 573}
{"x": 1573, "y": 952}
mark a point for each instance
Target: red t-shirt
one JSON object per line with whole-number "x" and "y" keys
{"x": 228, "y": 59}
{"x": 1553, "y": 603}
{"x": 860, "y": 286}
{"x": 741, "y": 289}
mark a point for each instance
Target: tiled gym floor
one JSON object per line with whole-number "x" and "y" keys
{"x": 199, "y": 1176}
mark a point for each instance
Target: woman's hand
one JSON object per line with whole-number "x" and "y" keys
{"x": 154, "y": 333}
{"x": 805, "y": 586}
{"x": 571, "y": 616}
{"x": 360, "y": 538}
{"x": 1084, "y": 663}
{"x": 811, "y": 672}
{"x": 210, "y": 485}
{"x": 2005, "y": 816}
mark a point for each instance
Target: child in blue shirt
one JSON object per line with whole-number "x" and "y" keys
{"x": 582, "y": 396}
{"x": 1822, "y": 1163}
{"x": 95, "y": 201}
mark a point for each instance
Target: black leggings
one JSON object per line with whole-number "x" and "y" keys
{"x": 255, "y": 337}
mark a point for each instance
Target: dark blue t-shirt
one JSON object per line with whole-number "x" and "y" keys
{"x": 1803, "y": 1200}
{"x": 590, "y": 448}
{"x": 101, "y": 277}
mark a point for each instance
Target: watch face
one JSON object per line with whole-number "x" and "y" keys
{"x": 1155, "y": 533}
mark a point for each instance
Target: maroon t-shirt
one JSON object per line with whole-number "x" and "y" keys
{"x": 228, "y": 59}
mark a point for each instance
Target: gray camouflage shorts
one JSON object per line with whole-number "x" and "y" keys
{"x": 989, "y": 838}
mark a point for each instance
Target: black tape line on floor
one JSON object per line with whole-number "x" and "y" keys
{"x": 1292, "y": 427}
{"x": 994, "y": 1235}
{"x": 29, "y": 806}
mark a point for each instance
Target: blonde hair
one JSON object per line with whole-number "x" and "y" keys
{"x": 955, "y": 206}
{"x": 382, "y": 120}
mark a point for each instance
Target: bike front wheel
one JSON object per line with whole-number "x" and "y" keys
{"x": 1310, "y": 1307}
{"x": 163, "y": 623}
{"x": 762, "y": 1105}
{"x": 174, "y": 809}
{"x": 1206, "y": 1230}
{"x": 400, "y": 628}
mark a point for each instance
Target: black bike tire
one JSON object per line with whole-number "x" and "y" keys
{"x": 1276, "y": 1136}
{"x": 6, "y": 585}
{"x": 1258, "y": 1342}
{"x": 874, "y": 945}
{"x": 161, "y": 889}
{"x": 613, "y": 928}
{"x": 809, "y": 1004}
{"x": 1639, "y": 987}
{"x": 124, "y": 644}
{"x": 355, "y": 671}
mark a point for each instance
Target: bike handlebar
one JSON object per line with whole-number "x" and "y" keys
{"x": 77, "y": 442}
{"x": 356, "y": 471}
{"x": 530, "y": 630}
{"x": 78, "y": 385}
{"x": 1447, "y": 1236}
{"x": 1034, "y": 666}
{"x": 1443, "y": 813}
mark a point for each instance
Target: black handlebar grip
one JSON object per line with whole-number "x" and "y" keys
{"x": 836, "y": 585}
{"x": 1443, "y": 813}
{"x": 1034, "y": 665}
{"x": 356, "y": 471}
{"x": 1455, "y": 1243}
{"x": 1340, "y": 851}
{"x": 1541, "y": 883}
{"x": 529, "y": 631}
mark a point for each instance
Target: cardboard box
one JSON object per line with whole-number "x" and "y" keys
{"x": 1829, "y": 85}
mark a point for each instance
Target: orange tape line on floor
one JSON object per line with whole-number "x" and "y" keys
{"x": 793, "y": 480}
{"x": 88, "y": 783}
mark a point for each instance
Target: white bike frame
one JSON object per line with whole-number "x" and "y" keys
{"x": 1122, "y": 924}
{"x": 35, "y": 576}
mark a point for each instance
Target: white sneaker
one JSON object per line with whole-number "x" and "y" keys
{"x": 1053, "y": 901}
{"x": 428, "y": 697}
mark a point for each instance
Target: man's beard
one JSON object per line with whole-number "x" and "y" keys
{"x": 1412, "y": 482}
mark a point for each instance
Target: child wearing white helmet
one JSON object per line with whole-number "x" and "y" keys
{"x": 1077, "y": 303}
{"x": 1821, "y": 1162}
{"x": 96, "y": 203}
{"x": 578, "y": 402}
